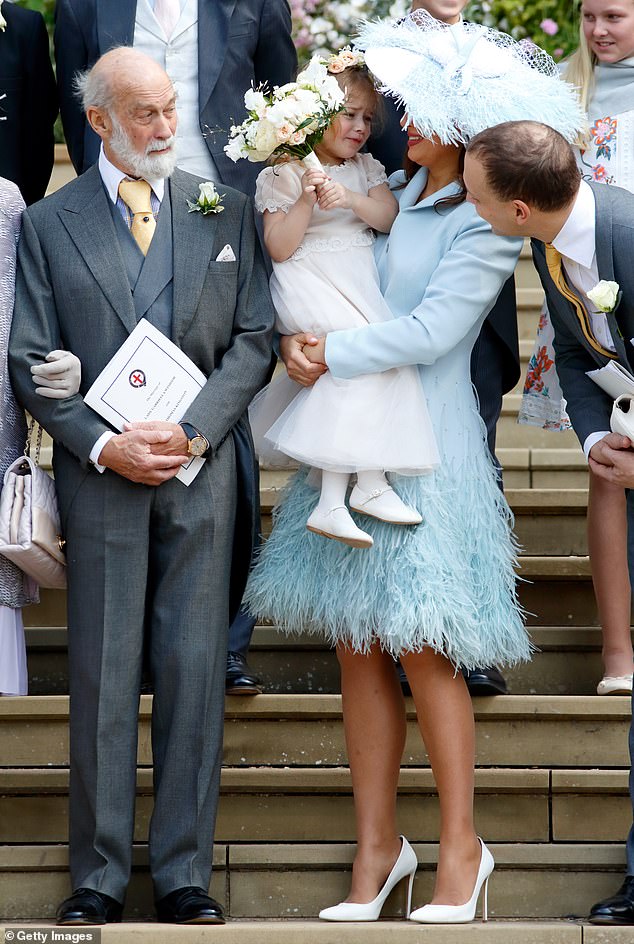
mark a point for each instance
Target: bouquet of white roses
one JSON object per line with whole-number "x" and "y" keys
{"x": 290, "y": 120}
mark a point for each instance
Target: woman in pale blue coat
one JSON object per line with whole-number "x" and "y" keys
{"x": 438, "y": 595}
{"x": 441, "y": 594}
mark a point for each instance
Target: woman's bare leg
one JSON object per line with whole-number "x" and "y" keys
{"x": 445, "y": 718}
{"x": 607, "y": 544}
{"x": 374, "y": 724}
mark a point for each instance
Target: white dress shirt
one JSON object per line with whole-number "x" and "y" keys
{"x": 577, "y": 244}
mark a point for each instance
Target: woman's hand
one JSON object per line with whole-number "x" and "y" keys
{"x": 58, "y": 377}
{"x": 293, "y": 349}
{"x": 312, "y": 181}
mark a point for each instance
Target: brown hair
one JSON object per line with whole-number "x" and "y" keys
{"x": 410, "y": 167}
{"x": 357, "y": 78}
{"x": 529, "y": 161}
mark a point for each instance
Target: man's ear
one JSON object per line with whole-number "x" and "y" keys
{"x": 99, "y": 120}
{"x": 522, "y": 212}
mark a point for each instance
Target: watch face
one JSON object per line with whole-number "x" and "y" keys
{"x": 197, "y": 446}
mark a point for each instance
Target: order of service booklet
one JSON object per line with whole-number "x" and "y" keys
{"x": 149, "y": 378}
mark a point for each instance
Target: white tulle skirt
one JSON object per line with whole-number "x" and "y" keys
{"x": 372, "y": 422}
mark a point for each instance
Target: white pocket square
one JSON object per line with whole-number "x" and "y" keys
{"x": 226, "y": 254}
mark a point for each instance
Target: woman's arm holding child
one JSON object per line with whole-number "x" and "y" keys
{"x": 283, "y": 232}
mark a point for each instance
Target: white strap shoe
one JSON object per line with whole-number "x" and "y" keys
{"x": 404, "y": 867}
{"x": 337, "y": 524}
{"x": 384, "y": 504}
{"x": 615, "y": 685}
{"x": 460, "y": 914}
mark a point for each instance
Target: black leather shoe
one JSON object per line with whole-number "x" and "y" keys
{"x": 239, "y": 679}
{"x": 489, "y": 681}
{"x": 189, "y": 905}
{"x": 616, "y": 910}
{"x": 86, "y": 906}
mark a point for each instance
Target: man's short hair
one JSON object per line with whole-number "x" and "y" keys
{"x": 528, "y": 161}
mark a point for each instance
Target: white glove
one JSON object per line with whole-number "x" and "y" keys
{"x": 58, "y": 377}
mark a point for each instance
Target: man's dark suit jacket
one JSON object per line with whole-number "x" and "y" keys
{"x": 239, "y": 43}
{"x": 28, "y": 102}
{"x": 588, "y": 406}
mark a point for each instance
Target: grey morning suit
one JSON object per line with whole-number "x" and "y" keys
{"x": 588, "y": 406}
{"x": 142, "y": 559}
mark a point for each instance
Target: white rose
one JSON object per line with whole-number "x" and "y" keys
{"x": 314, "y": 74}
{"x": 604, "y": 295}
{"x": 281, "y": 91}
{"x": 254, "y": 100}
{"x": 208, "y": 192}
{"x": 298, "y": 137}
{"x": 265, "y": 141}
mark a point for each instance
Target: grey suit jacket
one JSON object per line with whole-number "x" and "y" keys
{"x": 239, "y": 43}
{"x": 72, "y": 291}
{"x": 589, "y": 407}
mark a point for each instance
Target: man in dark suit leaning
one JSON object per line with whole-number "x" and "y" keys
{"x": 523, "y": 179}
{"x": 214, "y": 50}
{"x": 28, "y": 102}
{"x": 149, "y": 559}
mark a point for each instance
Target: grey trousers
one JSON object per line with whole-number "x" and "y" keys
{"x": 147, "y": 566}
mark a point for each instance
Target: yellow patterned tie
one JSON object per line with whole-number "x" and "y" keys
{"x": 553, "y": 261}
{"x": 136, "y": 194}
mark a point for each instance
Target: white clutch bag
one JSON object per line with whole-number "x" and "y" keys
{"x": 622, "y": 419}
{"x": 30, "y": 533}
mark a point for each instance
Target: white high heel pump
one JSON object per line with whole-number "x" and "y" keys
{"x": 461, "y": 914}
{"x": 404, "y": 867}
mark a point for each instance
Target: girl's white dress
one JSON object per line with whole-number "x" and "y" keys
{"x": 375, "y": 421}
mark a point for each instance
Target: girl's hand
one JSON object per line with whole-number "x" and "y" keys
{"x": 315, "y": 352}
{"x": 332, "y": 195}
{"x": 312, "y": 180}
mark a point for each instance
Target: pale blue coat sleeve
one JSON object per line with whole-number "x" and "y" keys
{"x": 461, "y": 292}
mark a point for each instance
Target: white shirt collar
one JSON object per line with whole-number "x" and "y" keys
{"x": 576, "y": 238}
{"x": 112, "y": 177}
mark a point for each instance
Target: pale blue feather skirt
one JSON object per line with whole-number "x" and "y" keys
{"x": 448, "y": 583}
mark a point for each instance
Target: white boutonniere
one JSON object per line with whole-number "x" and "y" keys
{"x": 605, "y": 295}
{"x": 209, "y": 200}
{"x": 3, "y": 22}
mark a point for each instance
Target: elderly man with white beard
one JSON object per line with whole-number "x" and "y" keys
{"x": 149, "y": 559}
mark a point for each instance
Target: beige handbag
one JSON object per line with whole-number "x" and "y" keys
{"x": 30, "y": 532}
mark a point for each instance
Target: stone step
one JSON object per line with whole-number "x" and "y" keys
{"x": 558, "y": 731}
{"x": 567, "y": 662}
{"x": 383, "y": 932}
{"x": 314, "y": 804}
{"x": 531, "y": 880}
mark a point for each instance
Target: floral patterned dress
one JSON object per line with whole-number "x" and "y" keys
{"x": 608, "y": 159}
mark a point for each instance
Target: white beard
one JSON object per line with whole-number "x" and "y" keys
{"x": 149, "y": 164}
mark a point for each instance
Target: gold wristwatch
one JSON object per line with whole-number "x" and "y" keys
{"x": 197, "y": 444}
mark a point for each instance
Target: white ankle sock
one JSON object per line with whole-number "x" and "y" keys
{"x": 334, "y": 486}
{"x": 371, "y": 480}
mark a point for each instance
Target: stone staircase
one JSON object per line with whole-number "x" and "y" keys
{"x": 552, "y": 764}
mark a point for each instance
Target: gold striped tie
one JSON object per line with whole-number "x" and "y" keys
{"x": 553, "y": 261}
{"x": 136, "y": 194}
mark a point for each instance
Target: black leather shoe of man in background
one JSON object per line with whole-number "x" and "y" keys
{"x": 189, "y": 905}
{"x": 87, "y": 906}
{"x": 240, "y": 680}
{"x": 617, "y": 910}
{"x": 489, "y": 681}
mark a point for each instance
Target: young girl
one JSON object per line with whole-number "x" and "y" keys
{"x": 603, "y": 71}
{"x": 318, "y": 231}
